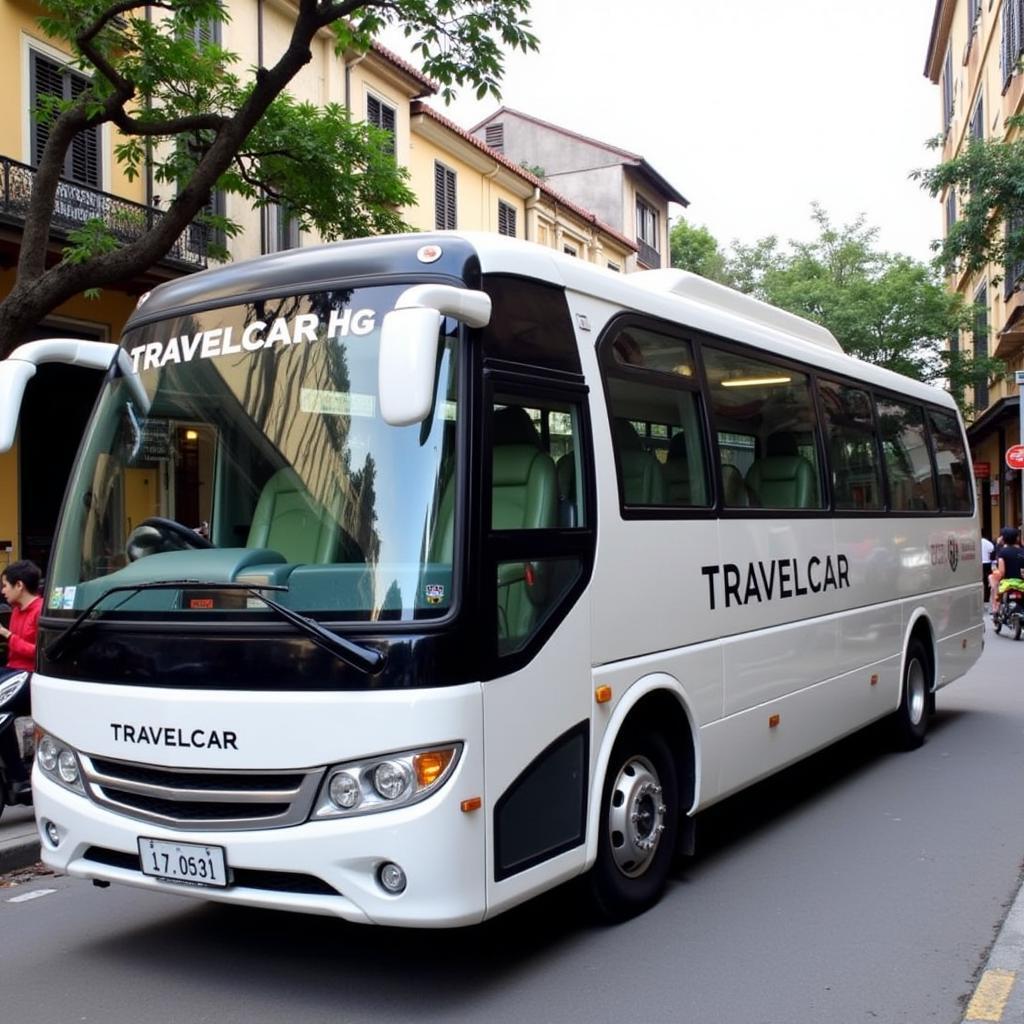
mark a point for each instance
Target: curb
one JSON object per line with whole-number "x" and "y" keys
{"x": 19, "y": 852}
{"x": 999, "y": 995}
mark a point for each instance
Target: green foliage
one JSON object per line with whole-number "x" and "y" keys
{"x": 884, "y": 308}
{"x": 987, "y": 178}
{"x": 177, "y": 97}
{"x": 695, "y": 249}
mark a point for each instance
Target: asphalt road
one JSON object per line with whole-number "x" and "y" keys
{"x": 862, "y": 885}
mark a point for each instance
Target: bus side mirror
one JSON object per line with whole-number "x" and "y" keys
{"x": 20, "y": 367}
{"x": 409, "y": 339}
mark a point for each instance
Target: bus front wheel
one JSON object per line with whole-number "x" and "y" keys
{"x": 911, "y": 721}
{"x": 639, "y": 824}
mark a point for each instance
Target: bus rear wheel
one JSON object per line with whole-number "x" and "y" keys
{"x": 639, "y": 824}
{"x": 911, "y": 720}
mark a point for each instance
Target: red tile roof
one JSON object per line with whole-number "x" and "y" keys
{"x": 430, "y": 86}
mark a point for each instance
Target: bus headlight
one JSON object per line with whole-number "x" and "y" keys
{"x": 384, "y": 782}
{"x": 59, "y": 762}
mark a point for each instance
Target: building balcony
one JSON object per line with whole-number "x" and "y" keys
{"x": 75, "y": 204}
{"x": 648, "y": 255}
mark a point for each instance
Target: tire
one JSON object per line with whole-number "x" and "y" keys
{"x": 638, "y": 827}
{"x": 911, "y": 718}
{"x": 997, "y": 621}
{"x": 1017, "y": 625}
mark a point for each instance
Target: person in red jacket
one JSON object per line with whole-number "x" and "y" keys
{"x": 19, "y": 584}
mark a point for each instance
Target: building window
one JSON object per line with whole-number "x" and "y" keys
{"x": 977, "y": 125}
{"x": 570, "y": 250}
{"x": 282, "y": 228}
{"x": 494, "y": 136}
{"x": 1014, "y": 268}
{"x": 1013, "y": 39}
{"x": 506, "y": 219}
{"x": 647, "y": 224}
{"x": 444, "y": 197}
{"x": 382, "y": 116}
{"x": 981, "y": 348}
{"x": 950, "y": 209}
{"x": 82, "y": 163}
{"x": 973, "y": 14}
{"x": 615, "y": 267}
{"x": 947, "y": 91}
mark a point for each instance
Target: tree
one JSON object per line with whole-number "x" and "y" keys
{"x": 696, "y": 249}
{"x": 884, "y": 308}
{"x": 217, "y": 128}
{"x": 987, "y": 180}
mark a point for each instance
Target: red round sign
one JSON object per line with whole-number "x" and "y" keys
{"x": 1015, "y": 456}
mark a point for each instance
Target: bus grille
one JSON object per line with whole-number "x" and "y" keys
{"x": 190, "y": 798}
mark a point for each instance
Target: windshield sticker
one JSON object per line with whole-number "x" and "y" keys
{"x": 56, "y": 598}
{"x": 434, "y": 593}
{"x": 280, "y": 333}
{"x": 336, "y": 403}
{"x": 69, "y": 598}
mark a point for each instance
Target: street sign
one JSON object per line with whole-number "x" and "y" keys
{"x": 1018, "y": 376}
{"x": 1015, "y": 456}
{"x": 982, "y": 470}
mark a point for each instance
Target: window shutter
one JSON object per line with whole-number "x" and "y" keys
{"x": 85, "y": 147}
{"x": 506, "y": 219}
{"x": 444, "y": 197}
{"x": 48, "y": 80}
{"x": 494, "y": 136}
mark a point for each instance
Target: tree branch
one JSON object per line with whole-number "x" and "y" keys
{"x": 177, "y": 126}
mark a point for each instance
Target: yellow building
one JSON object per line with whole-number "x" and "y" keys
{"x": 462, "y": 183}
{"x": 973, "y": 56}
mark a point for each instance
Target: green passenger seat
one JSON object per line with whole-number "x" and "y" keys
{"x": 289, "y": 520}
{"x": 524, "y": 496}
{"x": 677, "y": 472}
{"x": 783, "y": 478}
{"x": 642, "y": 482}
{"x": 734, "y": 490}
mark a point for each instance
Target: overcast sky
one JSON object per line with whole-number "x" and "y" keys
{"x": 751, "y": 109}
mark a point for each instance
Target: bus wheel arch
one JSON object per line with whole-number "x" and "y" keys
{"x": 645, "y": 781}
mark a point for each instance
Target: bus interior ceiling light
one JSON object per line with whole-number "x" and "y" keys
{"x": 750, "y": 382}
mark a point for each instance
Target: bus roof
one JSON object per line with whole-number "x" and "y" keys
{"x": 672, "y": 295}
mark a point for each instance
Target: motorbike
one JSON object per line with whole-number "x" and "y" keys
{"x": 1010, "y": 610}
{"x": 16, "y": 735}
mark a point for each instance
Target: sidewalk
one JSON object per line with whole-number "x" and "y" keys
{"x": 19, "y": 840}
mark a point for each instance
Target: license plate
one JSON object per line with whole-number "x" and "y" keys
{"x": 191, "y": 863}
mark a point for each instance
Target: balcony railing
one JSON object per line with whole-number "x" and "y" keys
{"x": 75, "y": 204}
{"x": 648, "y": 255}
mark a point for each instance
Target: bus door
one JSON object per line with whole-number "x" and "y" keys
{"x": 538, "y": 550}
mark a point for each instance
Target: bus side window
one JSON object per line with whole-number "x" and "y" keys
{"x": 952, "y": 461}
{"x": 849, "y": 423}
{"x": 773, "y": 404}
{"x": 654, "y": 406}
{"x": 908, "y": 462}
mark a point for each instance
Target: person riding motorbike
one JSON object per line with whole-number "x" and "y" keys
{"x": 19, "y": 584}
{"x": 1011, "y": 564}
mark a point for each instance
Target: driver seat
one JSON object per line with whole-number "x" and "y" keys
{"x": 290, "y": 521}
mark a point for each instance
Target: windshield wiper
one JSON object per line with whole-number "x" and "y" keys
{"x": 363, "y": 658}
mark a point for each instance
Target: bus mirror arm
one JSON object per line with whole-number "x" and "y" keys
{"x": 20, "y": 367}
{"x": 409, "y": 339}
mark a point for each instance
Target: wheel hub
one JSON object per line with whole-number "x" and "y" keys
{"x": 636, "y": 817}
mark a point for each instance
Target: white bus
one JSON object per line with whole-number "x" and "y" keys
{"x": 403, "y": 579}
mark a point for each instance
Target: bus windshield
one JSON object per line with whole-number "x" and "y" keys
{"x": 249, "y": 448}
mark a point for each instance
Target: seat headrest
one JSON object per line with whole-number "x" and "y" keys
{"x": 512, "y": 425}
{"x": 781, "y": 444}
{"x": 626, "y": 437}
{"x": 677, "y": 448}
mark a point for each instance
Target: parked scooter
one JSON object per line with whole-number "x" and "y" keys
{"x": 15, "y": 735}
{"x": 1010, "y": 610}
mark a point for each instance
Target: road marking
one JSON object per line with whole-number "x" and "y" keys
{"x": 33, "y": 895}
{"x": 989, "y": 999}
